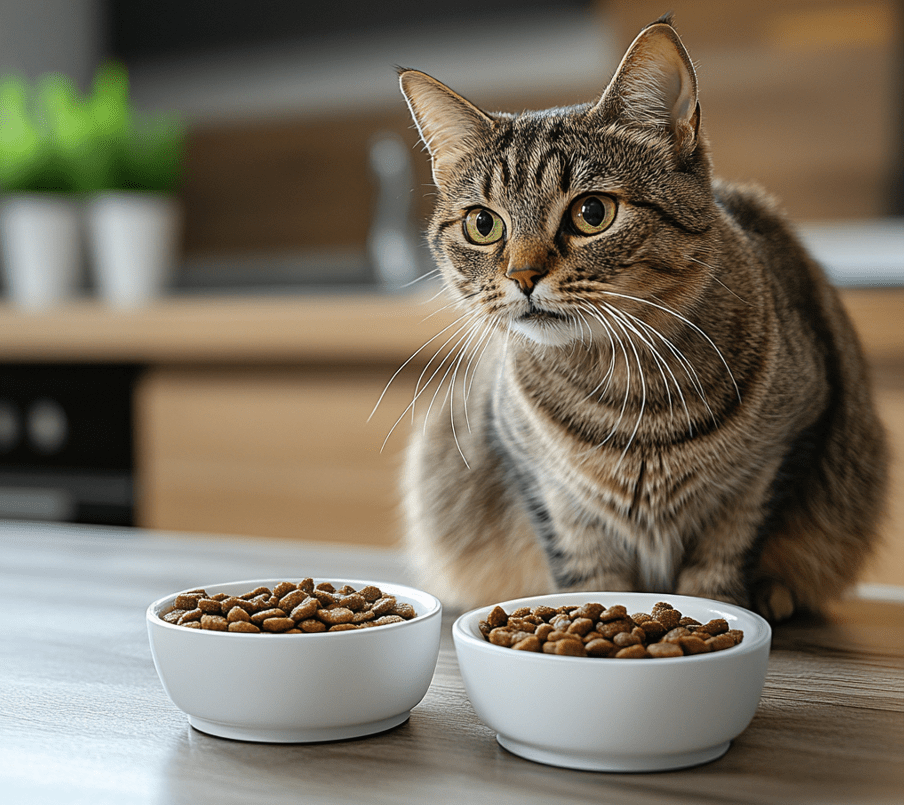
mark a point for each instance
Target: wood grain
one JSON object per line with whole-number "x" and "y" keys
{"x": 84, "y": 718}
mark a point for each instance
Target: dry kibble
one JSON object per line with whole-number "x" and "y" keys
{"x": 214, "y": 623}
{"x": 297, "y": 608}
{"x": 243, "y": 626}
{"x": 592, "y": 630}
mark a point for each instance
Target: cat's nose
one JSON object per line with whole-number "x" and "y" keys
{"x": 525, "y": 276}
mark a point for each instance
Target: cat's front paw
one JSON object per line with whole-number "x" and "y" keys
{"x": 772, "y": 599}
{"x": 703, "y": 583}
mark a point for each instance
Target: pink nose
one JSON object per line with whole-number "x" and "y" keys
{"x": 525, "y": 277}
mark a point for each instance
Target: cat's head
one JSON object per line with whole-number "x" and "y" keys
{"x": 543, "y": 217}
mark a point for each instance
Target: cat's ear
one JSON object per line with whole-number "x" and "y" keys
{"x": 656, "y": 85}
{"x": 448, "y": 124}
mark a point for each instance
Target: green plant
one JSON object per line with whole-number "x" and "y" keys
{"x": 51, "y": 138}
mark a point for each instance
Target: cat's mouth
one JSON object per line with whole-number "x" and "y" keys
{"x": 535, "y": 313}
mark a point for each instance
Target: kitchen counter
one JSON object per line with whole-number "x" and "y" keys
{"x": 85, "y": 719}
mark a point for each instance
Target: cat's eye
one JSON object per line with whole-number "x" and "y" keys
{"x": 483, "y": 227}
{"x": 593, "y": 214}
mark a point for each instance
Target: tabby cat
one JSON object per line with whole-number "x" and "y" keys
{"x": 652, "y": 385}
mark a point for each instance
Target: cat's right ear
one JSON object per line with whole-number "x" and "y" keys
{"x": 448, "y": 124}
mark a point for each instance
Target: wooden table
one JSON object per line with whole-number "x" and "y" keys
{"x": 83, "y": 717}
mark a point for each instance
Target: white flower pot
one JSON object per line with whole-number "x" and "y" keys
{"x": 41, "y": 237}
{"x": 133, "y": 239}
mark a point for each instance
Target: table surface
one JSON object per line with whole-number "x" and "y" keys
{"x": 83, "y": 717}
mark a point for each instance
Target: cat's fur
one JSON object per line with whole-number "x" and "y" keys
{"x": 678, "y": 404}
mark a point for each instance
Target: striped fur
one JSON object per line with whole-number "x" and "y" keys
{"x": 679, "y": 404}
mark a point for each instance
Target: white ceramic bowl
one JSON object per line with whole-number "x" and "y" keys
{"x": 295, "y": 688}
{"x": 616, "y": 714}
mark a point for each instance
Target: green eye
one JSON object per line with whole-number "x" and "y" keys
{"x": 593, "y": 214}
{"x": 483, "y": 227}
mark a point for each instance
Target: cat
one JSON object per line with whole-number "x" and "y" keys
{"x": 652, "y": 385}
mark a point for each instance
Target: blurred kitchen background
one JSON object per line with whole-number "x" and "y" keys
{"x": 216, "y": 373}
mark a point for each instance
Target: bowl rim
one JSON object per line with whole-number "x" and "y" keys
{"x": 152, "y": 613}
{"x": 463, "y": 625}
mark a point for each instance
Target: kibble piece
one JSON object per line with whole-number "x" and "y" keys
{"x": 614, "y": 613}
{"x": 600, "y": 647}
{"x": 325, "y": 597}
{"x": 306, "y": 585}
{"x": 173, "y": 615}
{"x": 543, "y": 613}
{"x": 669, "y": 618}
{"x": 385, "y": 605}
{"x": 637, "y": 652}
{"x": 529, "y": 643}
{"x": 343, "y": 627}
{"x": 191, "y": 615}
{"x": 714, "y": 627}
{"x": 188, "y": 600}
{"x": 284, "y": 588}
{"x": 363, "y": 616}
{"x": 737, "y": 634}
{"x": 326, "y": 587}
{"x": 356, "y": 602}
{"x": 257, "y": 591}
{"x": 543, "y": 631}
{"x": 210, "y": 607}
{"x": 333, "y": 616}
{"x": 609, "y": 629}
{"x": 673, "y": 635}
{"x": 306, "y": 609}
{"x": 292, "y": 599}
{"x": 692, "y": 645}
{"x": 580, "y": 626}
{"x": 345, "y": 589}
{"x": 243, "y": 626}
{"x": 191, "y": 624}
{"x": 214, "y": 623}
{"x": 273, "y": 612}
{"x": 685, "y": 621}
{"x": 386, "y": 620}
{"x": 625, "y": 639}
{"x": 370, "y": 593}
{"x": 664, "y": 650}
{"x": 403, "y": 610}
{"x": 570, "y": 648}
{"x": 312, "y": 625}
{"x": 277, "y": 624}
{"x": 654, "y": 630}
{"x": 720, "y": 642}
{"x": 237, "y": 614}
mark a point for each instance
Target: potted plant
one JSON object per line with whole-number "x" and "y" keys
{"x": 133, "y": 216}
{"x": 39, "y": 217}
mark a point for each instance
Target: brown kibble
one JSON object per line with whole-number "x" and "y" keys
{"x": 292, "y": 599}
{"x": 403, "y": 610}
{"x": 325, "y": 597}
{"x": 243, "y": 626}
{"x": 543, "y": 613}
{"x": 356, "y": 602}
{"x": 570, "y": 648}
{"x": 692, "y": 645}
{"x": 386, "y": 620}
{"x": 385, "y": 605}
{"x": 210, "y": 607}
{"x": 257, "y": 591}
{"x": 609, "y": 629}
{"x": 635, "y": 652}
{"x": 585, "y": 631}
{"x": 234, "y": 601}
{"x": 306, "y": 609}
{"x": 238, "y": 614}
{"x": 343, "y": 627}
{"x": 191, "y": 624}
{"x": 654, "y": 630}
{"x": 669, "y": 618}
{"x": 284, "y": 588}
{"x": 188, "y": 601}
{"x": 306, "y": 585}
{"x": 600, "y": 647}
{"x": 312, "y": 625}
{"x": 363, "y": 616}
{"x": 529, "y": 643}
{"x": 580, "y": 626}
{"x": 345, "y": 590}
{"x": 625, "y": 639}
{"x": 273, "y": 612}
{"x": 214, "y": 623}
{"x": 665, "y": 650}
{"x": 370, "y": 593}
{"x": 714, "y": 627}
{"x": 326, "y": 586}
{"x": 191, "y": 615}
{"x": 720, "y": 642}
{"x": 173, "y": 615}
{"x": 277, "y": 624}
{"x": 614, "y": 613}
{"x": 736, "y": 634}
{"x": 333, "y": 616}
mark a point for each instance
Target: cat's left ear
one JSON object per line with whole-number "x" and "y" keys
{"x": 656, "y": 86}
{"x": 448, "y": 124}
